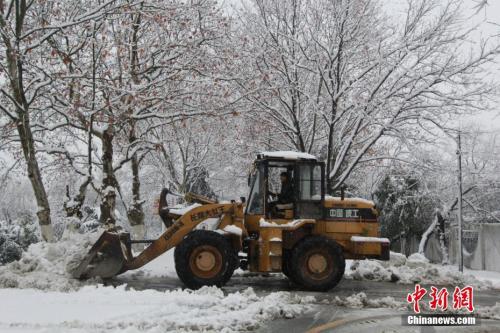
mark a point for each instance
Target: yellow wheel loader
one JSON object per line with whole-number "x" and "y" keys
{"x": 307, "y": 239}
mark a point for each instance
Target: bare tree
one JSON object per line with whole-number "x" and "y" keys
{"x": 337, "y": 78}
{"x": 26, "y": 27}
{"x": 145, "y": 66}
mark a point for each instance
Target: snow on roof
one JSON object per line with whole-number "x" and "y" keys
{"x": 288, "y": 155}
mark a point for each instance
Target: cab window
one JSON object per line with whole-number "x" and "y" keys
{"x": 309, "y": 182}
{"x": 256, "y": 199}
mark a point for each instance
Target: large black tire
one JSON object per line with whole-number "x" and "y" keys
{"x": 204, "y": 258}
{"x": 316, "y": 263}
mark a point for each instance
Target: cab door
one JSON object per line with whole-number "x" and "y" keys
{"x": 254, "y": 210}
{"x": 310, "y": 190}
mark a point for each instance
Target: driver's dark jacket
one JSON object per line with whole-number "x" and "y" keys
{"x": 286, "y": 194}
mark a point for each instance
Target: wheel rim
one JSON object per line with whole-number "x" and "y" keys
{"x": 318, "y": 265}
{"x": 205, "y": 261}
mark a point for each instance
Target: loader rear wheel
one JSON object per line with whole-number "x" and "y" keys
{"x": 316, "y": 263}
{"x": 204, "y": 258}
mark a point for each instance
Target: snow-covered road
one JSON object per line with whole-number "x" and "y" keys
{"x": 152, "y": 299}
{"x": 115, "y": 309}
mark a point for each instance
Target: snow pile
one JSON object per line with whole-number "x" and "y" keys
{"x": 46, "y": 265}
{"x": 395, "y": 259}
{"x": 416, "y": 260}
{"x": 360, "y": 300}
{"x": 489, "y": 312}
{"x": 414, "y": 269}
{"x": 98, "y": 308}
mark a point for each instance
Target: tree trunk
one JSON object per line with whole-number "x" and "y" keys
{"x": 329, "y": 156}
{"x": 109, "y": 183}
{"x": 135, "y": 212}
{"x": 73, "y": 206}
{"x": 439, "y": 225}
{"x": 35, "y": 177}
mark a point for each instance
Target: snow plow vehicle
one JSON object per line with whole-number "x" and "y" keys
{"x": 307, "y": 239}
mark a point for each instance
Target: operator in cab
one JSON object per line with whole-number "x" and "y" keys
{"x": 286, "y": 195}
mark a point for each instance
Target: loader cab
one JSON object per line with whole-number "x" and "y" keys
{"x": 305, "y": 176}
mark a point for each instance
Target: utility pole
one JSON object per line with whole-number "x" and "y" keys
{"x": 460, "y": 246}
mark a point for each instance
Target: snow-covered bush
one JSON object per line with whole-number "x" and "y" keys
{"x": 9, "y": 250}
{"x": 405, "y": 207}
{"x": 16, "y": 236}
{"x": 89, "y": 226}
{"x": 88, "y": 223}
{"x": 23, "y": 230}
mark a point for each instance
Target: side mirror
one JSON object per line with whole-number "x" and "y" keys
{"x": 243, "y": 199}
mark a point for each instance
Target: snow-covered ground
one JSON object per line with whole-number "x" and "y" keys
{"x": 417, "y": 269}
{"x": 110, "y": 309}
{"x": 40, "y": 296}
{"x": 40, "y": 285}
{"x": 484, "y": 276}
{"x": 361, "y": 300}
{"x": 163, "y": 266}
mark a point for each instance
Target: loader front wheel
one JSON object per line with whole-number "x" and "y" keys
{"x": 204, "y": 258}
{"x": 316, "y": 263}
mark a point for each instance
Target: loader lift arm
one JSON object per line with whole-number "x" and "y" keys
{"x": 174, "y": 235}
{"x": 112, "y": 255}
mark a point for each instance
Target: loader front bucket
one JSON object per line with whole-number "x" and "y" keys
{"x": 106, "y": 258}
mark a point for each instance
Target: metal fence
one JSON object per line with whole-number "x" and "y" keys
{"x": 481, "y": 247}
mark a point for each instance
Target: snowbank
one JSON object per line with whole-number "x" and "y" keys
{"x": 46, "y": 265}
{"x": 361, "y": 301}
{"x": 98, "y": 309}
{"x": 414, "y": 269}
{"x": 490, "y": 312}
